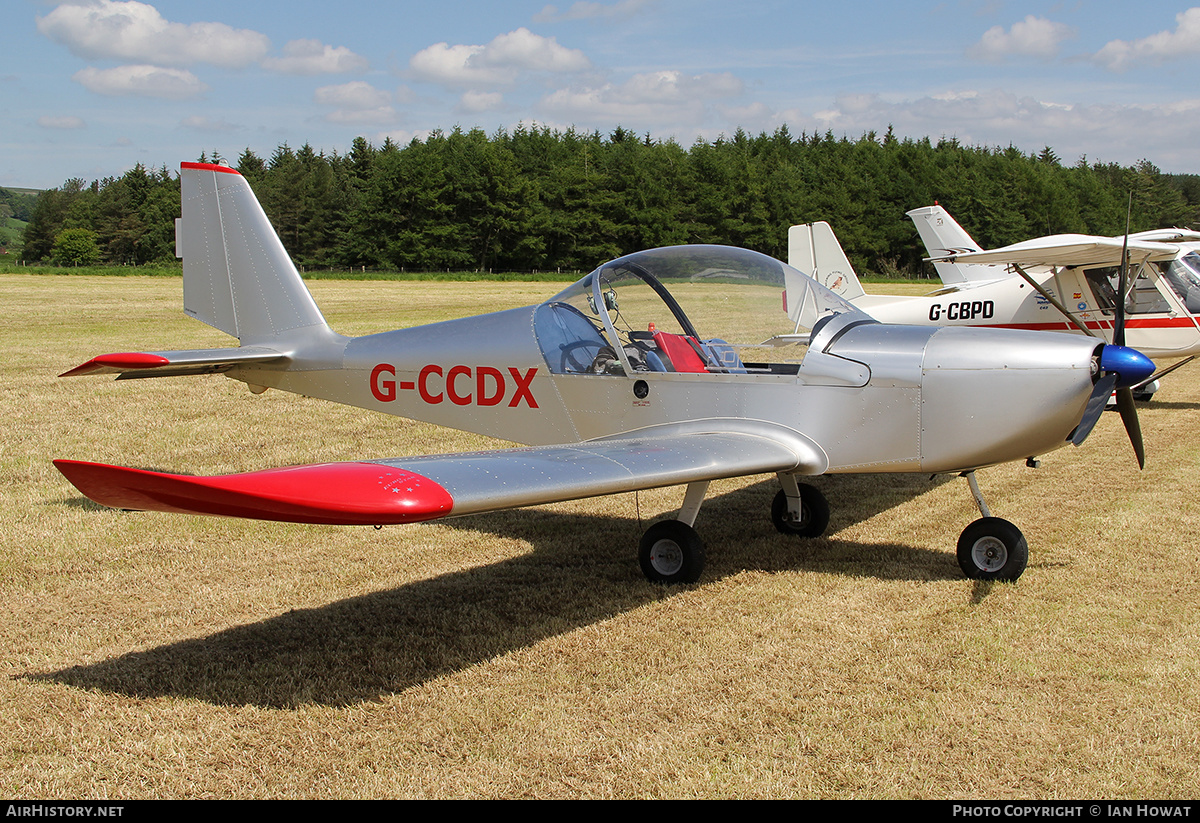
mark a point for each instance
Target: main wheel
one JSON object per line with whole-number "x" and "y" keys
{"x": 671, "y": 552}
{"x": 991, "y": 548}
{"x": 814, "y": 513}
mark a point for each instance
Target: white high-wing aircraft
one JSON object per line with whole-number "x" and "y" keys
{"x": 1064, "y": 282}
{"x": 615, "y": 390}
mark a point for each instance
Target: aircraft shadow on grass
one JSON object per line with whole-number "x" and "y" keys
{"x": 1173, "y": 404}
{"x": 582, "y": 570}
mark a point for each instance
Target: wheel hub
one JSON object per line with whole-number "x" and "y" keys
{"x": 989, "y": 553}
{"x": 666, "y": 557}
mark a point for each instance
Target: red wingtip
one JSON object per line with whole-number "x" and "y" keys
{"x": 347, "y": 494}
{"x": 123, "y": 361}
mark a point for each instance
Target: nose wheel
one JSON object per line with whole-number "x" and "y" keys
{"x": 991, "y": 548}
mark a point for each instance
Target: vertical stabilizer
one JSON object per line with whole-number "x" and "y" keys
{"x": 942, "y": 235}
{"x": 814, "y": 249}
{"x": 237, "y": 276}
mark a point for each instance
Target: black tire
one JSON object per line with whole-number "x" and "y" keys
{"x": 671, "y": 552}
{"x": 991, "y": 548}
{"x": 814, "y": 513}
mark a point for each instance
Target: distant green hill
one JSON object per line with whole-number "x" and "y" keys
{"x": 11, "y": 232}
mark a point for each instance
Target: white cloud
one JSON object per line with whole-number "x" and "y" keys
{"x": 141, "y": 81}
{"x": 64, "y": 122}
{"x": 136, "y": 32}
{"x": 454, "y": 66}
{"x": 673, "y": 86}
{"x": 1184, "y": 41}
{"x": 313, "y": 57}
{"x": 498, "y": 63}
{"x": 356, "y": 95}
{"x": 1032, "y": 37}
{"x": 476, "y": 101}
{"x": 646, "y": 99}
{"x": 526, "y": 51}
{"x": 581, "y": 10}
{"x": 357, "y": 102}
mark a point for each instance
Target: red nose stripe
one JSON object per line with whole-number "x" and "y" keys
{"x": 332, "y": 493}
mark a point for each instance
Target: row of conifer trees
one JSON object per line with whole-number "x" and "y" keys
{"x": 536, "y": 199}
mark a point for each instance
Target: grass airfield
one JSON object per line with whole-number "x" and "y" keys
{"x": 522, "y": 654}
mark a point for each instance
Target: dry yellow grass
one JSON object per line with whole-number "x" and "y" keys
{"x": 522, "y": 654}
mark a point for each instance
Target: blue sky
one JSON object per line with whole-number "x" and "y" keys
{"x": 91, "y": 87}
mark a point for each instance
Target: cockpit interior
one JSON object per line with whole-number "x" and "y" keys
{"x": 628, "y": 315}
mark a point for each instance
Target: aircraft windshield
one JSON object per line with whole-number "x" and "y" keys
{"x": 683, "y": 308}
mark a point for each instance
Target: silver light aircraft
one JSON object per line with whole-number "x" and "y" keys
{"x": 614, "y": 389}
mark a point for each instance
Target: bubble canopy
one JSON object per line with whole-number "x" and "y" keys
{"x": 681, "y": 309}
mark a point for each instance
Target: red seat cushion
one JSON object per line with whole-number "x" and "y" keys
{"x": 679, "y": 349}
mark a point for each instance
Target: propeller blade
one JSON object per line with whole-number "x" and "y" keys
{"x": 1119, "y": 331}
{"x": 1095, "y": 406}
{"x": 1129, "y": 417}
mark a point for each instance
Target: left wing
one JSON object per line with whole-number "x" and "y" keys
{"x": 409, "y": 490}
{"x": 1067, "y": 250}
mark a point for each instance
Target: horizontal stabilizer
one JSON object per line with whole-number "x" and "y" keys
{"x": 408, "y": 490}
{"x": 130, "y": 365}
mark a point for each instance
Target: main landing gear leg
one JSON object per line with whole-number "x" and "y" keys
{"x": 991, "y": 548}
{"x": 670, "y": 550}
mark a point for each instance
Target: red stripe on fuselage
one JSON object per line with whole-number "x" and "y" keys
{"x": 1132, "y": 323}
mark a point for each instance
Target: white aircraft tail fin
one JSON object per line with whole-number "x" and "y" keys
{"x": 237, "y": 276}
{"x": 814, "y": 249}
{"x": 942, "y": 235}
